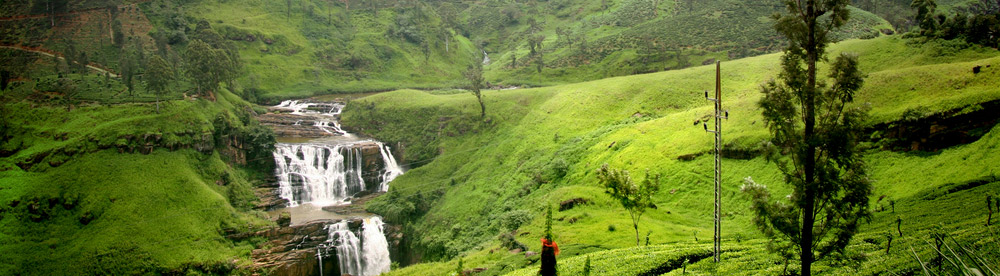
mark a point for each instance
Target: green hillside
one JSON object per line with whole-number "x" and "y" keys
{"x": 305, "y": 48}
{"x": 122, "y": 189}
{"x": 541, "y": 146}
{"x": 101, "y": 175}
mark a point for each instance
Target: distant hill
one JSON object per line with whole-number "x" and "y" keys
{"x": 302, "y": 48}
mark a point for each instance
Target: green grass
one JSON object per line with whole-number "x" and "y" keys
{"x": 81, "y": 194}
{"x": 321, "y": 47}
{"x": 711, "y": 30}
{"x": 310, "y": 54}
{"x": 483, "y": 169}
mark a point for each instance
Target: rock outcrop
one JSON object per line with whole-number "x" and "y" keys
{"x": 292, "y": 125}
{"x": 292, "y": 250}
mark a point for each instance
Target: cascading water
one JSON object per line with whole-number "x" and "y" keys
{"x": 304, "y": 107}
{"x": 376, "y": 248}
{"x": 332, "y": 171}
{"x": 392, "y": 169}
{"x": 348, "y": 248}
{"x": 328, "y": 174}
{"x": 366, "y": 256}
{"x": 323, "y": 114}
{"x": 318, "y": 174}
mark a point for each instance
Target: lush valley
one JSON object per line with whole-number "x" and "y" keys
{"x": 146, "y": 137}
{"x": 540, "y": 147}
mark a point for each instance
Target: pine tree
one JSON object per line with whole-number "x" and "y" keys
{"x": 814, "y": 132}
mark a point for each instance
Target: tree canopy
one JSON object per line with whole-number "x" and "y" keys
{"x": 208, "y": 66}
{"x": 159, "y": 74}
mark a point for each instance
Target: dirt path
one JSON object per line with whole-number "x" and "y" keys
{"x": 50, "y": 53}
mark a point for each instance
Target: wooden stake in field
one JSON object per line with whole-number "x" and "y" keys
{"x": 719, "y": 115}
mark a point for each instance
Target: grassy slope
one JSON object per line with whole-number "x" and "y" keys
{"x": 320, "y": 47}
{"x": 717, "y": 29}
{"x": 312, "y": 48}
{"x": 146, "y": 211}
{"x": 309, "y": 54}
{"x": 488, "y": 170}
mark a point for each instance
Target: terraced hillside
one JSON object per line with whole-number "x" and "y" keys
{"x": 478, "y": 180}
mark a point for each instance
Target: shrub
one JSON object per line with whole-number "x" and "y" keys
{"x": 513, "y": 220}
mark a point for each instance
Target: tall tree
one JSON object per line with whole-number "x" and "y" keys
{"x": 634, "y": 198}
{"x": 474, "y": 74}
{"x": 159, "y": 74}
{"x": 208, "y": 66}
{"x": 70, "y": 54}
{"x": 925, "y": 17}
{"x": 814, "y": 135}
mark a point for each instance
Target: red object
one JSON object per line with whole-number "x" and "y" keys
{"x": 552, "y": 244}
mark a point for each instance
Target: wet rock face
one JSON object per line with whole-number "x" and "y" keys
{"x": 292, "y": 250}
{"x": 371, "y": 167}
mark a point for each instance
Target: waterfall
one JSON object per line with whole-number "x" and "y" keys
{"x": 376, "y": 248}
{"x": 486, "y": 58}
{"x": 348, "y": 248}
{"x": 329, "y": 174}
{"x": 319, "y": 255}
{"x": 328, "y": 126}
{"x": 301, "y": 108}
{"x": 323, "y": 113}
{"x": 366, "y": 256}
{"x": 391, "y": 170}
{"x": 318, "y": 174}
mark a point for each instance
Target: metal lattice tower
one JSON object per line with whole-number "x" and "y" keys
{"x": 719, "y": 115}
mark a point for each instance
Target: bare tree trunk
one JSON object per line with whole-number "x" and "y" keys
{"x": 636, "y": 227}
{"x": 808, "y": 218}
{"x": 482, "y": 107}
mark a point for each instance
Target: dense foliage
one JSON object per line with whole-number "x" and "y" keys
{"x": 978, "y": 24}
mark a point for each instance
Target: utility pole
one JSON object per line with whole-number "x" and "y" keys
{"x": 719, "y": 115}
